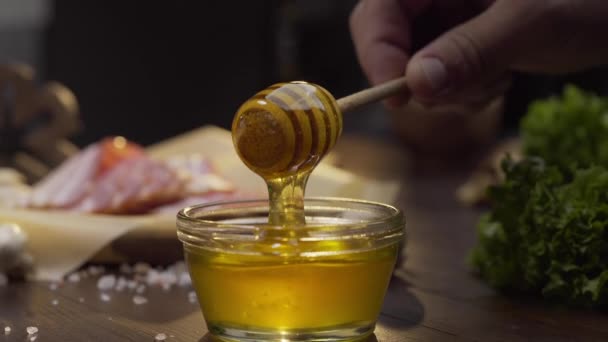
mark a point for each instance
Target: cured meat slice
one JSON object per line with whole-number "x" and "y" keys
{"x": 200, "y": 176}
{"x": 115, "y": 176}
{"x": 69, "y": 183}
{"x": 132, "y": 186}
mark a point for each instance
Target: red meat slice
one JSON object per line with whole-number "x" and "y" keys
{"x": 69, "y": 183}
{"x": 133, "y": 186}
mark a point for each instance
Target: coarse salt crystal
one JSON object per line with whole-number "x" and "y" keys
{"x": 74, "y": 278}
{"x": 31, "y": 330}
{"x": 95, "y": 270}
{"x": 53, "y": 286}
{"x": 81, "y": 299}
{"x": 160, "y": 337}
{"x": 178, "y": 268}
{"x": 104, "y": 297}
{"x": 141, "y": 289}
{"x": 131, "y": 284}
{"x": 184, "y": 280}
{"x": 7, "y": 330}
{"x": 55, "y": 302}
{"x": 3, "y": 279}
{"x": 106, "y": 282}
{"x": 153, "y": 277}
{"x": 121, "y": 284}
{"x": 192, "y": 296}
{"x": 168, "y": 278}
{"x": 163, "y": 278}
{"x": 139, "y": 300}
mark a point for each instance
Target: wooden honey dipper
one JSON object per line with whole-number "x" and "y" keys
{"x": 289, "y": 127}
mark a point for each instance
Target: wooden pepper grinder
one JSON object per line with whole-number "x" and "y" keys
{"x": 35, "y": 121}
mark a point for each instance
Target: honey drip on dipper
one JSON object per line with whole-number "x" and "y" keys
{"x": 284, "y": 131}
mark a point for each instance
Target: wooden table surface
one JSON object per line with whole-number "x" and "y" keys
{"x": 433, "y": 297}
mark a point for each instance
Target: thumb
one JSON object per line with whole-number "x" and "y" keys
{"x": 473, "y": 51}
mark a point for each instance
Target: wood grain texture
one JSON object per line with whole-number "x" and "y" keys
{"x": 433, "y": 297}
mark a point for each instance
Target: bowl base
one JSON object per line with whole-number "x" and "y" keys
{"x": 350, "y": 332}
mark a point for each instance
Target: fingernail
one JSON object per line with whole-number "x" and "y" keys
{"x": 435, "y": 72}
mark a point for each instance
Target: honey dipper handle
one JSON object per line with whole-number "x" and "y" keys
{"x": 372, "y": 94}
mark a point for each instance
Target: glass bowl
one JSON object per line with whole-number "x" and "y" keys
{"x": 321, "y": 281}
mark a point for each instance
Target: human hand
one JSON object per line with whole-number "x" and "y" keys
{"x": 478, "y": 43}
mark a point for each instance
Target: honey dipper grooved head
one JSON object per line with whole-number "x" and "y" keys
{"x": 286, "y": 128}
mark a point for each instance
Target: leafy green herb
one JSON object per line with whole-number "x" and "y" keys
{"x": 546, "y": 236}
{"x": 547, "y": 231}
{"x": 570, "y": 132}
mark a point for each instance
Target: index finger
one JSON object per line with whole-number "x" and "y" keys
{"x": 381, "y": 34}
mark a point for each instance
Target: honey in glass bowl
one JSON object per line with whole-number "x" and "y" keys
{"x": 322, "y": 281}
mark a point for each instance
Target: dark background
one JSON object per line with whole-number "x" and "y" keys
{"x": 155, "y": 69}
{"x": 150, "y": 70}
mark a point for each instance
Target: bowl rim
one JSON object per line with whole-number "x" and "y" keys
{"x": 387, "y": 228}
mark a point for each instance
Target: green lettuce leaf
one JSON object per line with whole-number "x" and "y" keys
{"x": 547, "y": 235}
{"x": 547, "y": 230}
{"x": 569, "y": 132}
